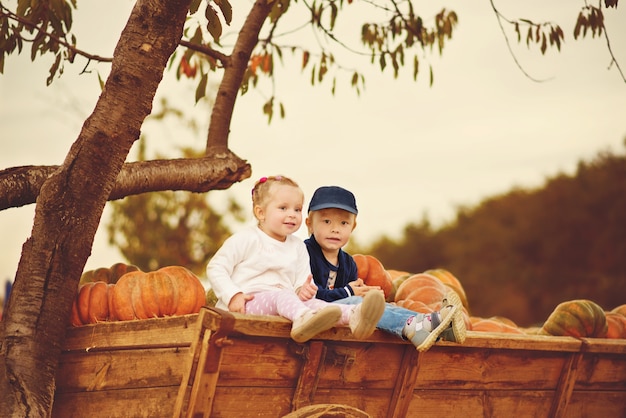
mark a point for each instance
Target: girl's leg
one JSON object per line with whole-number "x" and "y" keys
{"x": 280, "y": 302}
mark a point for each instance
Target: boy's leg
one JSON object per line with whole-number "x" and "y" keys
{"x": 393, "y": 320}
{"x": 424, "y": 333}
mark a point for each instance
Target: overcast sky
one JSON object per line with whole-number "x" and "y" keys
{"x": 404, "y": 148}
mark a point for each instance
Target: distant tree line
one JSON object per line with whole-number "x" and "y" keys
{"x": 520, "y": 254}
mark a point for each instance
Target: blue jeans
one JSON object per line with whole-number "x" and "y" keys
{"x": 393, "y": 319}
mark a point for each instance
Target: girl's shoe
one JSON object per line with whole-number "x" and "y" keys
{"x": 366, "y": 315}
{"x": 312, "y": 323}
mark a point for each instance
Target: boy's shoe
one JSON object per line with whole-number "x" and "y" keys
{"x": 449, "y": 317}
{"x": 457, "y": 331}
{"x": 312, "y": 323}
{"x": 366, "y": 315}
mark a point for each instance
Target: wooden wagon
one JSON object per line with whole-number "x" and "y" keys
{"x": 220, "y": 364}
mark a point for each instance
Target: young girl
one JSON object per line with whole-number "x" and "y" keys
{"x": 264, "y": 270}
{"x": 331, "y": 220}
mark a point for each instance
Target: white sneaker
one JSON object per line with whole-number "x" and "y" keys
{"x": 366, "y": 315}
{"x": 312, "y": 323}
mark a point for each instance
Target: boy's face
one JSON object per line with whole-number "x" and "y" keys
{"x": 331, "y": 227}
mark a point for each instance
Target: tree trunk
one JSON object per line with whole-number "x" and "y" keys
{"x": 69, "y": 207}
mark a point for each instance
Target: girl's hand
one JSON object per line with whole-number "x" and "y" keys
{"x": 308, "y": 289}
{"x": 238, "y": 302}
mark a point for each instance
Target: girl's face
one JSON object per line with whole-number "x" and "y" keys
{"x": 332, "y": 227}
{"x": 281, "y": 214}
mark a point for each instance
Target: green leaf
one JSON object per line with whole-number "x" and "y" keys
{"x": 194, "y": 6}
{"x": 227, "y": 10}
{"x": 53, "y": 69}
{"x": 333, "y": 15}
{"x": 214, "y": 26}
{"x": 201, "y": 89}
{"x": 268, "y": 109}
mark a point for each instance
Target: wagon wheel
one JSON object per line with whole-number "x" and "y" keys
{"x": 328, "y": 411}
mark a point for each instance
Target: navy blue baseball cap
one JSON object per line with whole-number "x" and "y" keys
{"x": 333, "y": 197}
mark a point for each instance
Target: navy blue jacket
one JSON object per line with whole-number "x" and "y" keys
{"x": 321, "y": 268}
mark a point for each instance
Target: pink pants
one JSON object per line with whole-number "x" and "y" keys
{"x": 285, "y": 303}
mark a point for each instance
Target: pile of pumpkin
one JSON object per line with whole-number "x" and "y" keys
{"x": 423, "y": 292}
{"x": 122, "y": 292}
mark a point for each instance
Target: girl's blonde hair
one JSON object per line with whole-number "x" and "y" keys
{"x": 261, "y": 190}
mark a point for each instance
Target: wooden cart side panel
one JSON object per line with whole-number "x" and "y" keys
{"x": 261, "y": 372}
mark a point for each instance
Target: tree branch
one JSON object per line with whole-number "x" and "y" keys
{"x": 20, "y": 186}
{"x": 207, "y": 50}
{"x": 221, "y": 116}
{"x": 7, "y": 13}
{"x": 499, "y": 17}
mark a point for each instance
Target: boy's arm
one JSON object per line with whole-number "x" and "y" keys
{"x": 330, "y": 295}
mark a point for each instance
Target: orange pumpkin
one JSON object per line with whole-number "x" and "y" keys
{"x": 107, "y": 274}
{"x": 91, "y": 304}
{"x": 423, "y": 288}
{"x": 372, "y": 272}
{"x": 169, "y": 291}
{"x": 415, "y": 306}
{"x": 395, "y": 284}
{"x": 616, "y": 324}
{"x": 451, "y": 281}
{"x": 621, "y": 309}
{"x": 394, "y": 274}
{"x": 494, "y": 325}
{"x": 577, "y": 318}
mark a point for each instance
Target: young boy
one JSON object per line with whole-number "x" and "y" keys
{"x": 331, "y": 220}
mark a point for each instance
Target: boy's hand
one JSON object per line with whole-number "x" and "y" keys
{"x": 360, "y": 288}
{"x": 238, "y": 302}
{"x": 308, "y": 289}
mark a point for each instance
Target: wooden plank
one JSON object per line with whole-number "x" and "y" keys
{"x": 204, "y": 380}
{"x": 232, "y": 402}
{"x": 465, "y": 368}
{"x": 476, "y": 403}
{"x": 353, "y": 365}
{"x": 313, "y": 355}
{"x": 565, "y": 387}
{"x": 203, "y": 385}
{"x": 137, "y": 403}
{"x": 586, "y": 404}
{"x": 604, "y": 345}
{"x": 158, "y": 332}
{"x": 81, "y": 372}
{"x": 191, "y": 363}
{"x": 405, "y": 383}
{"x": 601, "y": 371}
